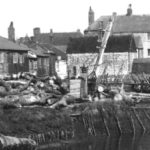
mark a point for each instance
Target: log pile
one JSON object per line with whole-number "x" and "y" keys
{"x": 139, "y": 82}
{"x": 30, "y": 90}
{"x": 10, "y": 142}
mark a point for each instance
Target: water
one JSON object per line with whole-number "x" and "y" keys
{"x": 126, "y": 142}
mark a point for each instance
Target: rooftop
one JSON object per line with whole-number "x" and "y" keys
{"x": 124, "y": 24}
{"x": 5, "y": 44}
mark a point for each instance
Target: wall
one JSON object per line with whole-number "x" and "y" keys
{"x": 88, "y": 59}
{"x": 61, "y": 68}
{"x": 114, "y": 62}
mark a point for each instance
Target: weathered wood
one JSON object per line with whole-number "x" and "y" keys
{"x": 7, "y": 141}
{"x": 139, "y": 120}
{"x": 104, "y": 121}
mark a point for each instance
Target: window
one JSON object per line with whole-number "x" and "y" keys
{"x": 1, "y": 57}
{"x": 15, "y": 58}
{"x": 21, "y": 59}
{"x": 148, "y": 52}
{"x": 148, "y": 36}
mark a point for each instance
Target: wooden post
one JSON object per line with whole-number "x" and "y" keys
{"x": 84, "y": 71}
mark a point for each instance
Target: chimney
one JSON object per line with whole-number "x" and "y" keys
{"x": 36, "y": 31}
{"x": 114, "y": 14}
{"x": 11, "y": 32}
{"x": 129, "y": 10}
{"x": 51, "y": 32}
{"x": 51, "y": 35}
{"x": 78, "y": 30}
{"x": 91, "y": 16}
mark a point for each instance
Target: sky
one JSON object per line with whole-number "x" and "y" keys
{"x": 60, "y": 15}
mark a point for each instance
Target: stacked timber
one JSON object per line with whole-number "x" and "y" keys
{"x": 138, "y": 82}
{"x": 30, "y": 90}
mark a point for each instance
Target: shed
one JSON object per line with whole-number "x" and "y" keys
{"x": 141, "y": 65}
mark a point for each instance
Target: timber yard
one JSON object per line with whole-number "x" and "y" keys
{"x": 94, "y": 94}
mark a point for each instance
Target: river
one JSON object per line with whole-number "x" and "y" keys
{"x": 126, "y": 142}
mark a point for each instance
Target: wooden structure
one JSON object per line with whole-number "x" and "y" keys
{"x": 141, "y": 65}
{"x": 13, "y": 57}
{"x": 44, "y": 62}
{"x": 77, "y": 88}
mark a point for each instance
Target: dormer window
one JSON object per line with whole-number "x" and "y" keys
{"x": 148, "y": 36}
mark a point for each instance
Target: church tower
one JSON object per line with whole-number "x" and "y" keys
{"x": 11, "y": 32}
{"x": 91, "y": 16}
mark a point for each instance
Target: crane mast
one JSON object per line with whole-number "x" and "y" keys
{"x": 103, "y": 42}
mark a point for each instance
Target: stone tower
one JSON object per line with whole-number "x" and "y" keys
{"x": 91, "y": 16}
{"x": 11, "y": 32}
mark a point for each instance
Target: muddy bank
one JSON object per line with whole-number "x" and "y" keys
{"x": 46, "y": 125}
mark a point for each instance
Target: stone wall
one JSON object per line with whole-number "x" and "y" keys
{"x": 113, "y": 63}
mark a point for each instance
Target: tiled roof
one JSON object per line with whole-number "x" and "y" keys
{"x": 56, "y": 38}
{"x": 124, "y": 24}
{"x": 63, "y": 48}
{"x": 122, "y": 43}
{"x": 5, "y": 44}
{"x": 88, "y": 44}
{"x": 83, "y": 45}
{"x": 55, "y": 50}
{"x": 38, "y": 50}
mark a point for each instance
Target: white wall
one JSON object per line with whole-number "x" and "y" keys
{"x": 61, "y": 68}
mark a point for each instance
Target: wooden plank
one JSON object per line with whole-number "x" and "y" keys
{"x": 75, "y": 86}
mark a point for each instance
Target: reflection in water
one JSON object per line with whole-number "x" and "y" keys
{"x": 126, "y": 142}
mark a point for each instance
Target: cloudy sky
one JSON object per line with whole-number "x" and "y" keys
{"x": 60, "y": 15}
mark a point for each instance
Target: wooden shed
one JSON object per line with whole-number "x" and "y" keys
{"x": 141, "y": 65}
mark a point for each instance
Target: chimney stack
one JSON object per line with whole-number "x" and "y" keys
{"x": 36, "y": 31}
{"x": 129, "y": 10}
{"x": 11, "y": 32}
{"x": 78, "y": 30}
{"x": 51, "y": 32}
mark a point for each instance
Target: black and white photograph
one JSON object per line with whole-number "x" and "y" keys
{"x": 74, "y": 75}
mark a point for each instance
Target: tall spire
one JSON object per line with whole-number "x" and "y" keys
{"x": 91, "y": 16}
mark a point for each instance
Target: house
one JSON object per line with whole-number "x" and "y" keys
{"x": 81, "y": 52}
{"x": 13, "y": 57}
{"x": 119, "y": 52}
{"x": 136, "y": 26}
{"x": 38, "y": 59}
{"x": 41, "y": 60}
{"x": 56, "y": 42}
{"x": 57, "y": 39}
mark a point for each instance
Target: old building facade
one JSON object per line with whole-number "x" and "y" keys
{"x": 55, "y": 42}
{"x": 136, "y": 26}
{"x": 128, "y": 40}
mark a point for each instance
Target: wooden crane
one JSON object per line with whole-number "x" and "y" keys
{"x": 102, "y": 47}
